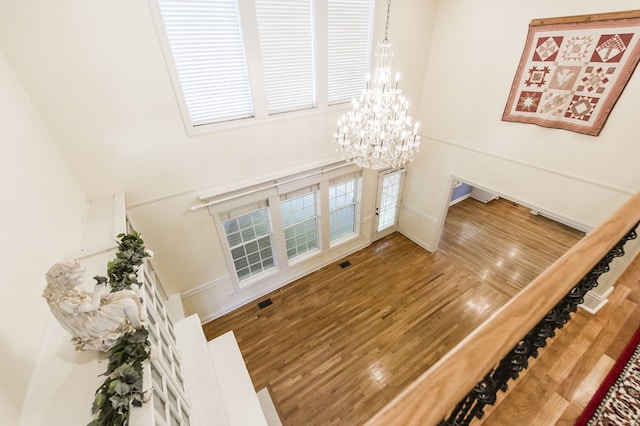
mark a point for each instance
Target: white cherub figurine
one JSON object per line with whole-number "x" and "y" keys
{"x": 95, "y": 322}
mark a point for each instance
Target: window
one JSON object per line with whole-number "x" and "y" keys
{"x": 342, "y": 209}
{"x": 349, "y": 31}
{"x": 250, "y": 243}
{"x": 208, "y": 55}
{"x": 300, "y": 222}
{"x": 286, "y": 42}
{"x": 389, "y": 197}
{"x": 281, "y": 224}
{"x": 239, "y": 59}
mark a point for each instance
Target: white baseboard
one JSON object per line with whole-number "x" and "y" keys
{"x": 417, "y": 240}
{"x": 457, "y": 200}
{"x": 563, "y": 220}
{"x": 200, "y": 298}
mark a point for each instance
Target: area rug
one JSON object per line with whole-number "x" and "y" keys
{"x": 617, "y": 400}
{"x": 573, "y": 70}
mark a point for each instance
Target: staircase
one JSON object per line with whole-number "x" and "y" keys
{"x": 217, "y": 382}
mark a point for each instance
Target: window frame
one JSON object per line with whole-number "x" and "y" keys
{"x": 357, "y": 217}
{"x": 236, "y": 215}
{"x": 317, "y": 218}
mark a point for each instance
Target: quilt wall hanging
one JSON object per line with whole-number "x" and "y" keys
{"x": 573, "y": 70}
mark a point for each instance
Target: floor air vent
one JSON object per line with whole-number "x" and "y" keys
{"x": 345, "y": 264}
{"x": 265, "y": 303}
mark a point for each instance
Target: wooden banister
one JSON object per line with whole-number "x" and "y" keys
{"x": 435, "y": 393}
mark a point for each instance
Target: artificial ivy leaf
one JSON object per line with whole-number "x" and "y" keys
{"x": 98, "y": 402}
{"x": 121, "y": 388}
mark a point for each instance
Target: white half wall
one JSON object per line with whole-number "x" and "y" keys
{"x": 42, "y": 211}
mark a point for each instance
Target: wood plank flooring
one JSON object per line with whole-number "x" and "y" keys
{"x": 560, "y": 383}
{"x": 502, "y": 243}
{"x": 338, "y": 344}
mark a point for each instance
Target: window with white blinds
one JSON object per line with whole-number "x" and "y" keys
{"x": 238, "y": 59}
{"x": 208, "y": 53}
{"x": 349, "y": 29}
{"x": 285, "y": 28}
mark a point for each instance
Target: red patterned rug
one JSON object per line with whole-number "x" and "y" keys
{"x": 617, "y": 400}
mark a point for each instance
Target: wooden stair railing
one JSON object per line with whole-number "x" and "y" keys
{"x": 461, "y": 382}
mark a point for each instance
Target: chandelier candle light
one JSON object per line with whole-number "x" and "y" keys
{"x": 378, "y": 133}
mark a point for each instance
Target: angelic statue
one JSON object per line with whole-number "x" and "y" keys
{"x": 96, "y": 321}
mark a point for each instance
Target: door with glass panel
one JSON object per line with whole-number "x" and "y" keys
{"x": 389, "y": 196}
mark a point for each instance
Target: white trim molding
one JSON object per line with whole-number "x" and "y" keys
{"x": 206, "y": 286}
{"x": 533, "y": 166}
{"x": 417, "y": 240}
{"x": 457, "y": 200}
{"x": 563, "y": 220}
{"x": 419, "y": 213}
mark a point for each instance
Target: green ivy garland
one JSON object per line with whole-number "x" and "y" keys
{"x": 122, "y": 270}
{"x": 123, "y": 385}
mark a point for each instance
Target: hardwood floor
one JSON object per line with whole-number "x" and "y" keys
{"x": 560, "y": 383}
{"x": 338, "y": 344}
{"x": 502, "y": 243}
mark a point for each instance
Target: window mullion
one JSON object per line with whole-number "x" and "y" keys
{"x": 247, "y": 11}
{"x": 280, "y": 250}
{"x": 320, "y": 45}
{"x": 323, "y": 216}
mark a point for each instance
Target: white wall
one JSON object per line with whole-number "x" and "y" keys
{"x": 96, "y": 73}
{"x": 474, "y": 54}
{"x": 42, "y": 211}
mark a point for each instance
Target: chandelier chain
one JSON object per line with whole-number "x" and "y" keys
{"x": 386, "y": 27}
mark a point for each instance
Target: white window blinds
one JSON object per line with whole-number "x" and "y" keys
{"x": 349, "y": 30}
{"x": 285, "y": 29}
{"x": 207, "y": 49}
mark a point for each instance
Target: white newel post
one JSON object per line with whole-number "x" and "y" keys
{"x": 598, "y": 297}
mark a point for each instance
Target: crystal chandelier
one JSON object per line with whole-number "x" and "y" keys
{"x": 378, "y": 132}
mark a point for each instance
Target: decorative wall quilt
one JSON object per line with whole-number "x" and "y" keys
{"x": 573, "y": 70}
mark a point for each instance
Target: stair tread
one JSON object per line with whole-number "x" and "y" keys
{"x": 239, "y": 399}
{"x": 205, "y": 401}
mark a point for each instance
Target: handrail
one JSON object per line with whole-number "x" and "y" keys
{"x": 434, "y": 394}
